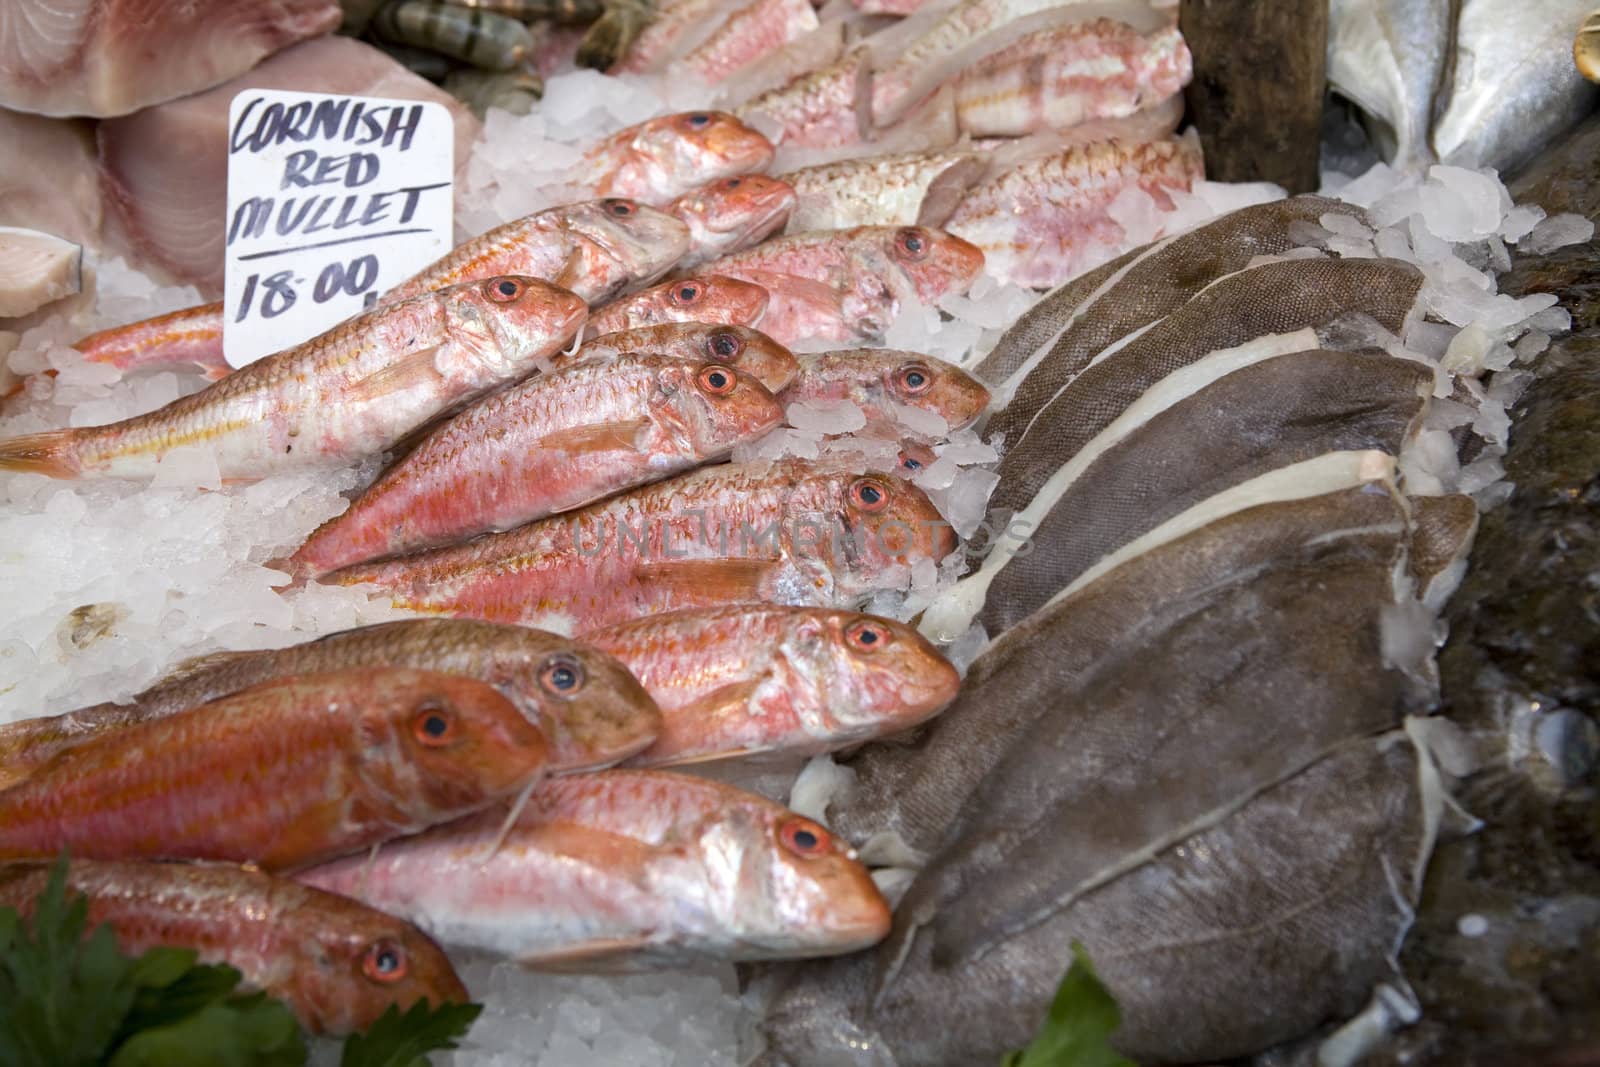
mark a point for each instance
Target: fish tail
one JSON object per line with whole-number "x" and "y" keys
{"x": 51, "y": 453}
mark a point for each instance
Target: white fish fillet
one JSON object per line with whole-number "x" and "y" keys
{"x": 47, "y": 176}
{"x": 36, "y": 269}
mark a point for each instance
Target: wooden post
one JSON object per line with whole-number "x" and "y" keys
{"x": 1260, "y": 73}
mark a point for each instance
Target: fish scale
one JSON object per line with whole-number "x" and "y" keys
{"x": 703, "y": 538}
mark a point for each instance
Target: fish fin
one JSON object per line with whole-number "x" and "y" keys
{"x": 600, "y": 956}
{"x": 194, "y": 665}
{"x": 615, "y": 854}
{"x": 946, "y": 192}
{"x": 571, "y": 272}
{"x": 731, "y": 699}
{"x": 413, "y": 369}
{"x": 724, "y": 580}
{"x": 598, "y": 437}
{"x": 214, "y": 372}
{"x": 48, "y": 453}
{"x": 794, "y": 287}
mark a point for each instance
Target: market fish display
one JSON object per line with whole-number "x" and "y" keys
{"x": 789, "y": 532}
{"x": 740, "y": 347}
{"x": 348, "y": 393}
{"x": 846, "y": 285}
{"x": 1046, "y": 221}
{"x": 187, "y": 338}
{"x": 747, "y": 36}
{"x": 36, "y": 269}
{"x": 337, "y": 964}
{"x": 881, "y": 382}
{"x": 110, "y": 57}
{"x": 1057, "y": 78}
{"x": 748, "y": 679}
{"x": 553, "y": 443}
{"x": 904, "y": 189}
{"x": 590, "y": 709}
{"x": 281, "y": 775}
{"x": 627, "y": 870}
{"x": 706, "y": 298}
{"x": 731, "y": 215}
{"x": 660, "y": 160}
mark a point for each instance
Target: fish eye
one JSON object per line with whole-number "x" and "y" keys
{"x": 503, "y": 290}
{"x": 726, "y": 345}
{"x": 866, "y": 636}
{"x": 385, "y": 962}
{"x": 687, "y": 293}
{"x": 561, "y": 676}
{"x": 803, "y": 837}
{"x": 717, "y": 380}
{"x": 620, "y": 208}
{"x": 698, "y": 120}
{"x": 434, "y": 724}
{"x": 910, "y": 463}
{"x": 911, "y": 243}
{"x": 868, "y": 495}
{"x": 733, "y": 183}
{"x": 913, "y": 379}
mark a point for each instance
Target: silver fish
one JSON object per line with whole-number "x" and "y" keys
{"x": 1390, "y": 58}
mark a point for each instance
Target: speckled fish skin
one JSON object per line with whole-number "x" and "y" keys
{"x": 877, "y": 380}
{"x": 847, "y": 285}
{"x": 282, "y": 775}
{"x": 659, "y": 160}
{"x": 871, "y": 191}
{"x": 753, "y": 32}
{"x": 547, "y": 445}
{"x": 348, "y": 393}
{"x": 1057, "y": 78}
{"x": 740, "y": 347}
{"x": 798, "y": 532}
{"x": 731, "y": 215}
{"x": 596, "y": 248}
{"x": 337, "y": 964}
{"x": 657, "y": 41}
{"x": 629, "y": 870}
{"x": 183, "y": 338}
{"x": 709, "y": 298}
{"x": 748, "y": 678}
{"x": 590, "y": 709}
{"x": 1046, "y": 221}
{"x": 822, "y": 109}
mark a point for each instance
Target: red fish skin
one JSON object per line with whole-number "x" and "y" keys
{"x": 281, "y": 775}
{"x": 304, "y": 946}
{"x": 732, "y": 214}
{"x": 659, "y": 160}
{"x": 740, "y": 347}
{"x": 746, "y": 36}
{"x": 190, "y": 337}
{"x": 789, "y": 532}
{"x": 876, "y": 379}
{"x": 500, "y": 463}
{"x": 707, "y": 298}
{"x": 800, "y": 681}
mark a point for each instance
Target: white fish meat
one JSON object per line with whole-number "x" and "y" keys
{"x": 36, "y": 269}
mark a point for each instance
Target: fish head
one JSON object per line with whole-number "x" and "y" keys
{"x": 802, "y": 892}
{"x": 589, "y": 706}
{"x": 890, "y": 526}
{"x": 914, "y": 458}
{"x": 936, "y": 386}
{"x": 463, "y": 744}
{"x": 361, "y": 962}
{"x": 753, "y": 352}
{"x": 736, "y": 211}
{"x": 709, "y": 407}
{"x": 716, "y": 299}
{"x": 693, "y": 147}
{"x": 937, "y": 263}
{"x": 644, "y": 242}
{"x": 506, "y": 323}
{"x": 876, "y": 675}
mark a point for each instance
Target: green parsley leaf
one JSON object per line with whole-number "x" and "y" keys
{"x": 397, "y": 1040}
{"x": 246, "y": 1031}
{"x": 1082, "y": 1018}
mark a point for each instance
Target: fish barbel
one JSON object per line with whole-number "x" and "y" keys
{"x": 894, "y": 190}
{"x": 590, "y": 709}
{"x": 659, "y": 160}
{"x": 282, "y": 775}
{"x": 788, "y": 532}
{"x": 746, "y": 36}
{"x": 628, "y": 870}
{"x": 740, "y": 347}
{"x": 1047, "y": 220}
{"x": 881, "y": 380}
{"x": 847, "y": 285}
{"x": 1057, "y": 78}
{"x": 348, "y": 393}
{"x": 731, "y": 215}
{"x": 595, "y": 248}
{"x": 708, "y": 298}
{"x": 337, "y": 964}
{"x": 555, "y": 442}
{"x": 752, "y": 678}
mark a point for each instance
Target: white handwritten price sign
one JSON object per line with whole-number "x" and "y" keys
{"x": 331, "y": 201}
